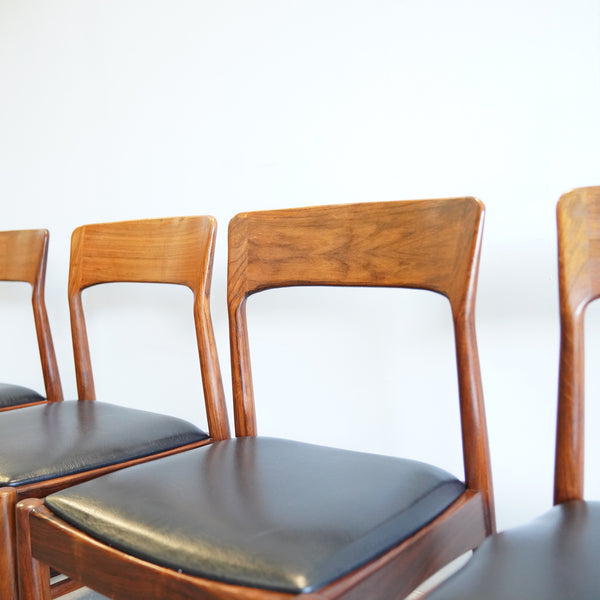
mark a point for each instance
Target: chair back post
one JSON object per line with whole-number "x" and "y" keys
{"x": 177, "y": 250}
{"x": 212, "y": 382}
{"x": 244, "y": 410}
{"x": 237, "y": 294}
{"x": 476, "y": 456}
{"x": 570, "y": 421}
{"x": 24, "y": 257}
{"x": 430, "y": 244}
{"x": 42, "y": 327}
{"x": 81, "y": 349}
{"x": 578, "y": 224}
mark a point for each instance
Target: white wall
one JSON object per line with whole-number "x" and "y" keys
{"x": 113, "y": 110}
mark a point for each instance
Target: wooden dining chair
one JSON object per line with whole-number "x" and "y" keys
{"x": 49, "y": 447}
{"x": 23, "y": 258}
{"x": 555, "y": 557}
{"x": 258, "y": 517}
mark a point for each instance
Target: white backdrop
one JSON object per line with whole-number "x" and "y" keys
{"x": 113, "y": 110}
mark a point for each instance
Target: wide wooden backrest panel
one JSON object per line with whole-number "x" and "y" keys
{"x": 174, "y": 250}
{"x": 23, "y": 254}
{"x": 419, "y": 244}
{"x": 426, "y": 244}
{"x": 578, "y": 221}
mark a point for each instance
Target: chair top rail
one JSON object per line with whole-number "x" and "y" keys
{"x": 23, "y": 255}
{"x": 419, "y": 244}
{"x": 171, "y": 250}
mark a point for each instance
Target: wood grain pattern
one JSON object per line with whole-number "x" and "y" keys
{"x": 410, "y": 244}
{"x": 578, "y": 221}
{"x": 23, "y": 257}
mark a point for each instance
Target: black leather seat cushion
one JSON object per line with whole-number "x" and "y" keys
{"x": 61, "y": 438}
{"x": 555, "y": 557}
{"x": 262, "y": 512}
{"x": 15, "y": 395}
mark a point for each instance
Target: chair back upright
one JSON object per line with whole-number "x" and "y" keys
{"x": 425, "y": 244}
{"x": 175, "y": 250}
{"x": 578, "y": 221}
{"x": 23, "y": 257}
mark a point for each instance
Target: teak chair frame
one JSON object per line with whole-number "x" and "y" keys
{"x": 96, "y": 258}
{"x": 23, "y": 258}
{"x": 430, "y": 245}
{"x": 173, "y": 253}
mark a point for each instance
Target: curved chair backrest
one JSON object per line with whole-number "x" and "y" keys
{"x": 23, "y": 257}
{"x": 578, "y": 220}
{"x": 173, "y": 250}
{"x": 427, "y": 244}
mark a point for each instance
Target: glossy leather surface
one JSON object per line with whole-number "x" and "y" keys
{"x": 263, "y": 512}
{"x": 61, "y": 438}
{"x": 15, "y": 395}
{"x": 555, "y": 557}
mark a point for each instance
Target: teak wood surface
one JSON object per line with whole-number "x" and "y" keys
{"x": 432, "y": 245}
{"x": 176, "y": 250}
{"x": 578, "y": 221}
{"x": 23, "y": 257}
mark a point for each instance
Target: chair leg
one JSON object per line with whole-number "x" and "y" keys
{"x": 34, "y": 576}
{"x": 8, "y": 567}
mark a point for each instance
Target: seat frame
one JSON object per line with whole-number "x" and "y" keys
{"x": 177, "y": 250}
{"x": 388, "y": 244}
{"x": 23, "y": 258}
